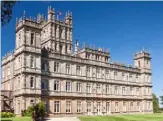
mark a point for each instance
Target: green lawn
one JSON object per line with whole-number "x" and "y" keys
{"x": 140, "y": 117}
{"x": 17, "y": 119}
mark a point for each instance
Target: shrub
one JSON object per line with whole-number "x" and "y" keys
{"x": 41, "y": 109}
{"x": 29, "y": 111}
{"x": 7, "y": 114}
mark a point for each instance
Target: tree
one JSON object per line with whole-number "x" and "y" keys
{"x": 155, "y": 103}
{"x": 6, "y": 11}
{"x": 161, "y": 99}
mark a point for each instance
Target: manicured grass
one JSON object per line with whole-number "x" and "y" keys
{"x": 140, "y": 117}
{"x": 17, "y": 119}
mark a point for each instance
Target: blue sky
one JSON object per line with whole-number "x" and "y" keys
{"x": 123, "y": 27}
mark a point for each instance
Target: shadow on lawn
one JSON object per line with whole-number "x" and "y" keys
{"x": 5, "y": 120}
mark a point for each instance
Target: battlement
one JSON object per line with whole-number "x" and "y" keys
{"x": 95, "y": 50}
{"x": 8, "y": 57}
{"x": 41, "y": 20}
{"x": 142, "y": 54}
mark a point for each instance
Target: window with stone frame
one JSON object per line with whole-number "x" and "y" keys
{"x": 68, "y": 107}
{"x": 79, "y": 106}
{"x": 56, "y": 67}
{"x": 32, "y": 62}
{"x": 45, "y": 66}
{"x": 116, "y": 90}
{"x": 130, "y": 77}
{"x": 56, "y": 85}
{"x": 107, "y": 74}
{"x": 131, "y": 106}
{"x": 138, "y": 91}
{"x": 124, "y": 107}
{"x": 32, "y": 38}
{"x": 98, "y": 88}
{"x": 123, "y": 76}
{"x": 102, "y": 74}
{"x": 87, "y": 56}
{"x": 115, "y": 74}
{"x": 44, "y": 85}
{"x": 78, "y": 87}
{"x": 107, "y": 89}
{"x": 107, "y": 106}
{"x": 137, "y": 78}
{"x": 123, "y": 91}
{"x": 56, "y": 106}
{"x": 88, "y": 72}
{"x": 78, "y": 70}
{"x": 138, "y": 106}
{"x": 68, "y": 86}
{"x": 97, "y": 57}
{"x": 68, "y": 69}
{"x": 8, "y": 71}
{"x": 88, "y": 88}
{"x": 32, "y": 102}
{"x": 88, "y": 106}
{"x": 98, "y": 73}
{"x": 116, "y": 107}
{"x": 131, "y": 90}
{"x": 32, "y": 82}
{"x": 19, "y": 82}
{"x": 106, "y": 59}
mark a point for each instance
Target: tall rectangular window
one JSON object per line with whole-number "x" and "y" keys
{"x": 78, "y": 87}
{"x": 137, "y": 91}
{"x": 32, "y": 61}
{"x": 32, "y": 82}
{"x": 98, "y": 88}
{"x": 88, "y": 72}
{"x": 115, "y": 75}
{"x": 124, "y": 107}
{"x": 123, "y": 76}
{"x": 56, "y": 106}
{"x": 131, "y": 106}
{"x": 138, "y": 106}
{"x": 79, "y": 106}
{"x": 67, "y": 68}
{"x": 56, "y": 67}
{"x": 98, "y": 73}
{"x": 131, "y": 90}
{"x": 56, "y": 85}
{"x": 107, "y": 106}
{"x": 88, "y": 88}
{"x": 123, "y": 91}
{"x": 8, "y": 71}
{"x": 78, "y": 70}
{"x": 107, "y": 73}
{"x": 130, "y": 76}
{"x": 68, "y": 106}
{"x": 89, "y": 107}
{"x": 107, "y": 89}
{"x": 68, "y": 86}
{"x": 116, "y": 90}
{"x": 32, "y": 38}
{"x": 43, "y": 85}
{"x": 116, "y": 107}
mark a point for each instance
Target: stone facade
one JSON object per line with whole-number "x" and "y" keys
{"x": 44, "y": 67}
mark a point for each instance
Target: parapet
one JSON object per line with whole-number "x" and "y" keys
{"x": 142, "y": 54}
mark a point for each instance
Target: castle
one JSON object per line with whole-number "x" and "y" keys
{"x": 71, "y": 80}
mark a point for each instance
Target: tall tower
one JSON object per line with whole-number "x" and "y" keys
{"x": 142, "y": 60}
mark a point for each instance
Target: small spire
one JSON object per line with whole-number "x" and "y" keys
{"x": 57, "y": 17}
{"x": 90, "y": 46}
{"x": 24, "y": 15}
{"x": 83, "y": 44}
